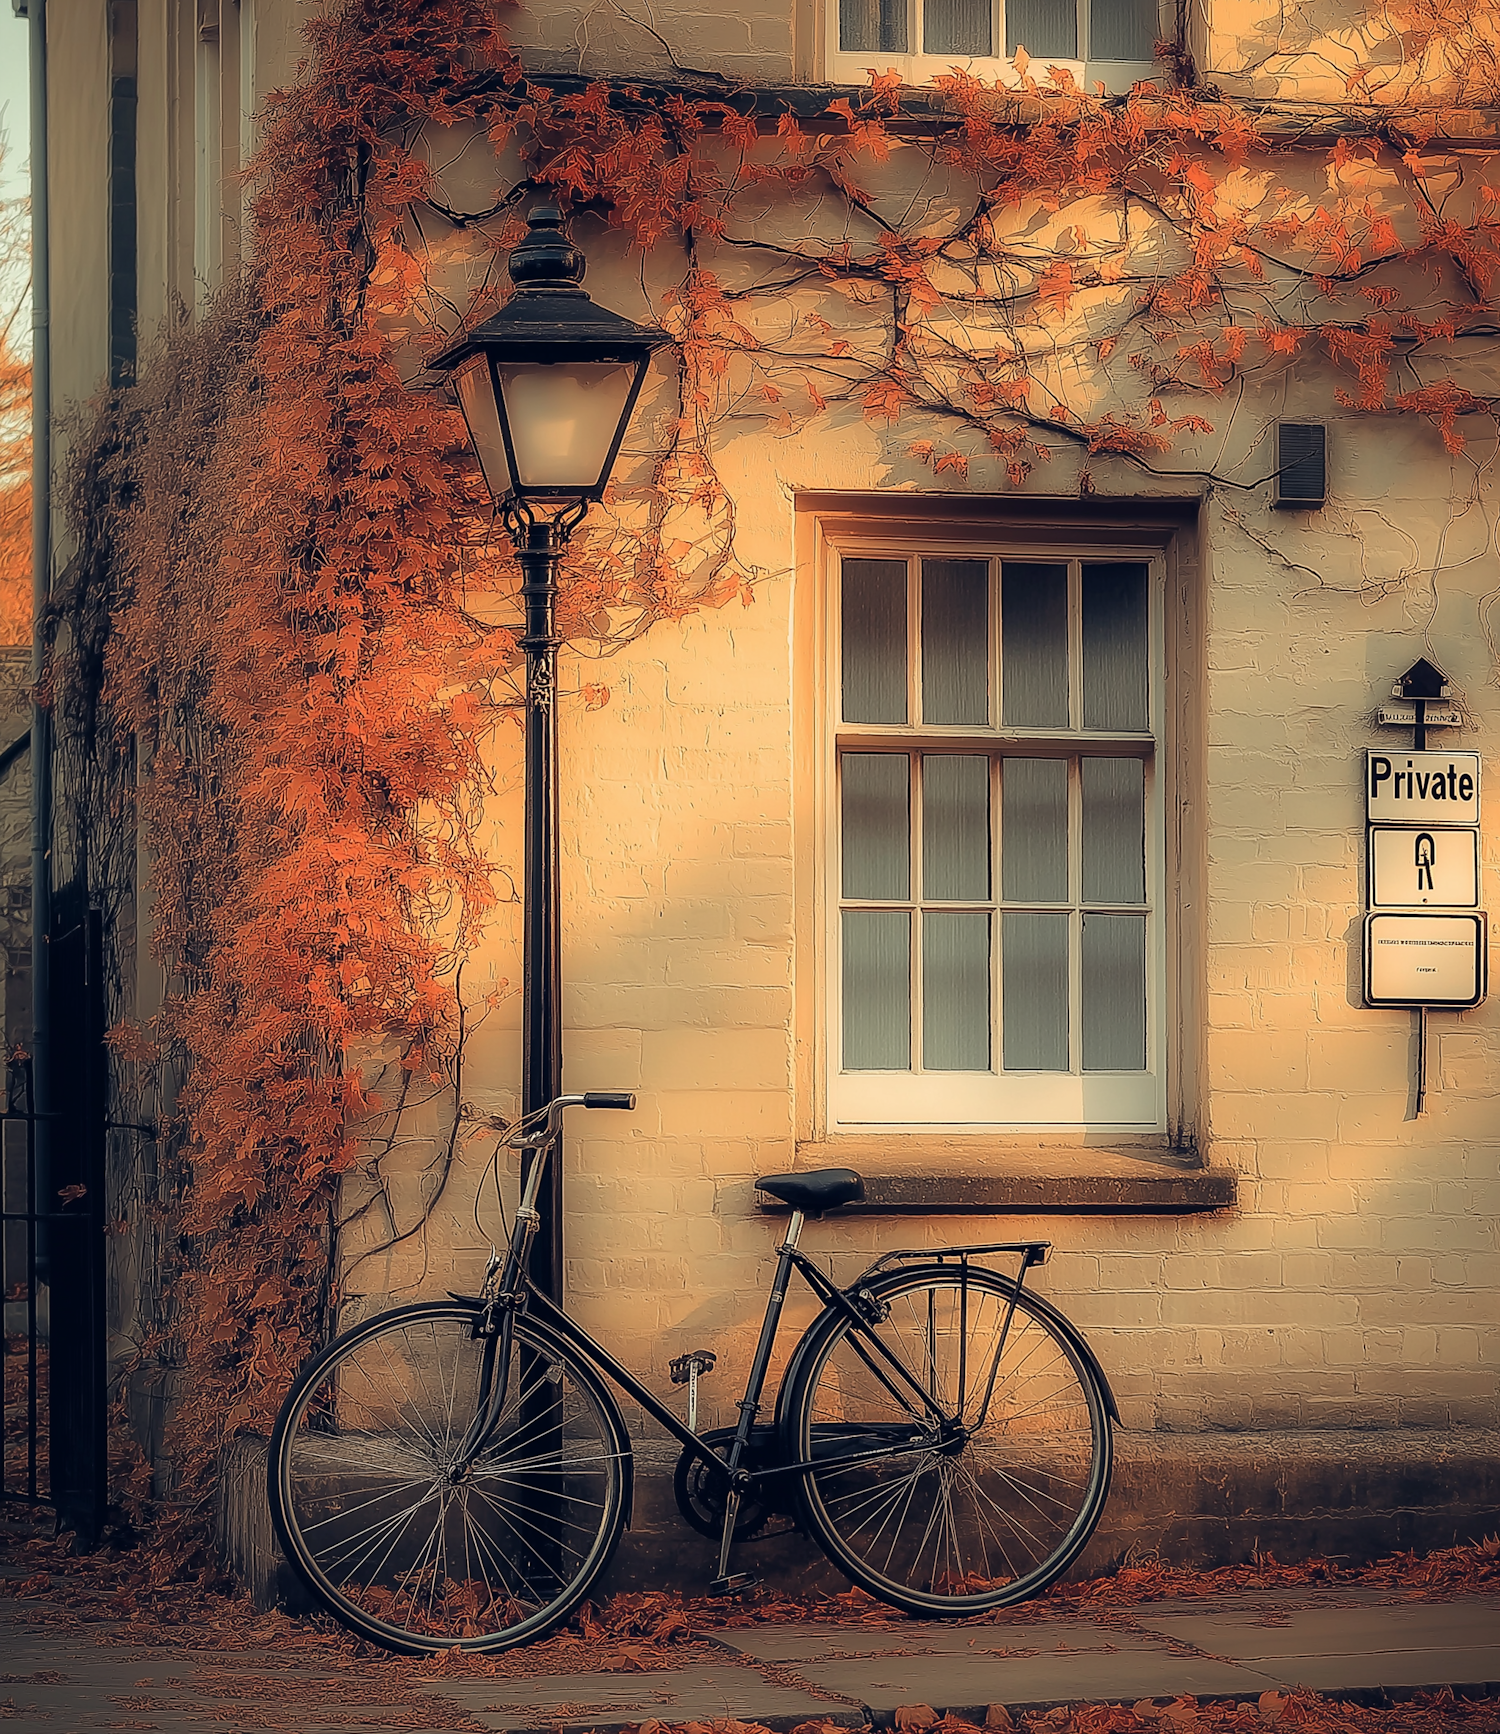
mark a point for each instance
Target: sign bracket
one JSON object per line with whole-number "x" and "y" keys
{"x": 1425, "y": 935}
{"x": 1421, "y": 682}
{"x": 1417, "y": 683}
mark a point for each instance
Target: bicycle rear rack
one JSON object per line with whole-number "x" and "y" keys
{"x": 1032, "y": 1252}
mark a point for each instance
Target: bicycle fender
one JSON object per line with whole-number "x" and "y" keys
{"x": 1065, "y": 1327}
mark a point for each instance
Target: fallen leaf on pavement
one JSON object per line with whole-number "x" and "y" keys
{"x": 915, "y": 1718}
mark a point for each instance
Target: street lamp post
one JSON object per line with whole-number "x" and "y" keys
{"x": 547, "y": 387}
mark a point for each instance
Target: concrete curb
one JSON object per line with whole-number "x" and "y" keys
{"x": 1368, "y": 1697}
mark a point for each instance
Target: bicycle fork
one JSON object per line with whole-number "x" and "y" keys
{"x": 726, "y": 1582}
{"x": 501, "y": 1297}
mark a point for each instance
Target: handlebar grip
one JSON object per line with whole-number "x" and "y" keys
{"x": 609, "y": 1099}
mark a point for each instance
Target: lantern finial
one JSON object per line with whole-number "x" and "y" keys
{"x": 547, "y": 262}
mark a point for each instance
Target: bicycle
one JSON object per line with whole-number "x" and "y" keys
{"x": 458, "y": 1473}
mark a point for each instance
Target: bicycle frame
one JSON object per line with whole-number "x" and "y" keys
{"x": 513, "y": 1292}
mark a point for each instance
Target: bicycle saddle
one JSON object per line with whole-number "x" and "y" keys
{"x": 814, "y": 1192}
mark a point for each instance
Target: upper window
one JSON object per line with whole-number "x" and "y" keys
{"x": 1109, "y": 40}
{"x": 997, "y": 840}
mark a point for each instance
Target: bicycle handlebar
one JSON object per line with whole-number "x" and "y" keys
{"x": 553, "y": 1124}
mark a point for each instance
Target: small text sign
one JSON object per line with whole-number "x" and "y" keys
{"x": 1433, "y": 960}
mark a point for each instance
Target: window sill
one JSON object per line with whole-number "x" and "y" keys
{"x": 918, "y": 71}
{"x": 917, "y": 1176}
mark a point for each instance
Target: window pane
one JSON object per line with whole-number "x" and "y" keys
{"x": 955, "y": 641}
{"x": 877, "y": 990}
{"x": 1114, "y": 836}
{"x": 955, "y": 992}
{"x": 956, "y": 27}
{"x": 956, "y": 827}
{"x": 1123, "y": 29}
{"x": 877, "y": 825}
{"x": 1046, "y": 29}
{"x": 1114, "y": 647}
{"x": 1034, "y": 643}
{"x": 1114, "y": 993}
{"x": 1034, "y": 830}
{"x": 874, "y": 637}
{"x": 872, "y": 24}
{"x": 1034, "y": 958}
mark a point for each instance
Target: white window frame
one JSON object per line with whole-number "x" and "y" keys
{"x": 917, "y": 68}
{"x": 948, "y": 1101}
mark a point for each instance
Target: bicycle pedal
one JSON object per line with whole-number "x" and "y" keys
{"x": 735, "y": 1584}
{"x": 687, "y": 1366}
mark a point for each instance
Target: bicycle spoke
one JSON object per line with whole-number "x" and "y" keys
{"x": 344, "y": 1513}
{"x": 417, "y": 1566}
{"x": 882, "y": 1497}
{"x": 904, "y": 1506}
{"x": 509, "y": 1520}
{"x": 989, "y": 1535}
{"x": 396, "y": 1529}
{"x": 511, "y": 1516}
{"x": 1016, "y": 1525}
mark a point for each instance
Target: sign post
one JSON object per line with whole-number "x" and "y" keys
{"x": 1425, "y": 937}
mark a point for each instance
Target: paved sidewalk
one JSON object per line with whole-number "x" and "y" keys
{"x": 1369, "y": 1645}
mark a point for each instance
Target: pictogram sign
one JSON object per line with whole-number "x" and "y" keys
{"x": 1413, "y": 869}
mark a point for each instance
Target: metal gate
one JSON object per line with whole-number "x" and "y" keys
{"x": 52, "y": 1185}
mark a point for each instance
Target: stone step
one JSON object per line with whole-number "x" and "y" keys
{"x": 1204, "y": 1500}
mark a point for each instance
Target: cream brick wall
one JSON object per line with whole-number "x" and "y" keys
{"x": 1358, "y": 1281}
{"x": 1265, "y": 48}
{"x": 753, "y": 40}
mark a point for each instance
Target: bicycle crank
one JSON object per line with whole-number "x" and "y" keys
{"x": 700, "y": 1490}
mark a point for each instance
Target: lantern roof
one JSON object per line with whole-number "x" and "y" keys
{"x": 550, "y": 317}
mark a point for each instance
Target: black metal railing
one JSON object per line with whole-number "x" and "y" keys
{"x": 24, "y": 1466}
{"x": 52, "y": 1251}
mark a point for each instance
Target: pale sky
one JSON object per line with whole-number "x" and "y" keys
{"x": 15, "y": 80}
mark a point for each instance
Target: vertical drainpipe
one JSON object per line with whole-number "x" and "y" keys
{"x": 41, "y": 584}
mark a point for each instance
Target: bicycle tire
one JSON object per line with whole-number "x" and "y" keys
{"x": 366, "y": 1511}
{"x": 981, "y": 1522}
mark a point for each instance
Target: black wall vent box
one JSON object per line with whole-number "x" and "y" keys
{"x": 1301, "y": 464}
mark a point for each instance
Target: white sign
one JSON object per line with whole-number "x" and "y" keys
{"x": 1410, "y": 868}
{"x": 1422, "y": 788}
{"x": 1404, "y": 715}
{"x": 1437, "y": 960}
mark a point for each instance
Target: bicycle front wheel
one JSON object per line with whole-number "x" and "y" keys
{"x": 983, "y": 1507}
{"x": 399, "y": 1534}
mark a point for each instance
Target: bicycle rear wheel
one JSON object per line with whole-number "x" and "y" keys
{"x": 952, "y": 1519}
{"x": 400, "y": 1539}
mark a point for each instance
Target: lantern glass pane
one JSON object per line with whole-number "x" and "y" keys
{"x": 476, "y": 398}
{"x": 563, "y": 417}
